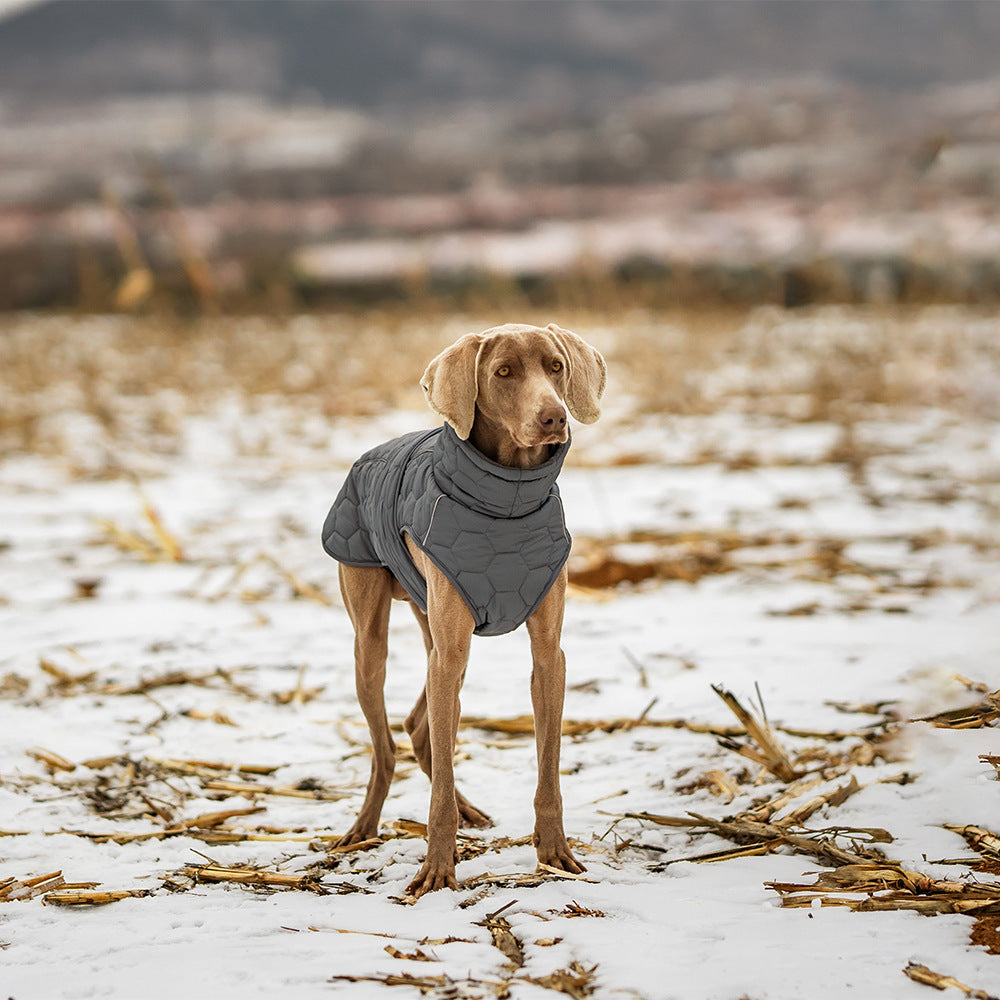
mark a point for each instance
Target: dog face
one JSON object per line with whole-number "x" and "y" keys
{"x": 517, "y": 378}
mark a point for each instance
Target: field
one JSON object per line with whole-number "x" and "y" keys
{"x": 781, "y": 743}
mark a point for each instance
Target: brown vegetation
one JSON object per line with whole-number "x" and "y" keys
{"x": 135, "y": 379}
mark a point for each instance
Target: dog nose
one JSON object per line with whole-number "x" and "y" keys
{"x": 552, "y": 418}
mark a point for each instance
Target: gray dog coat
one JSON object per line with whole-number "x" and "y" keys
{"x": 497, "y": 533}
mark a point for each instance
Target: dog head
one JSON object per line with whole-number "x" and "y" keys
{"x": 517, "y": 377}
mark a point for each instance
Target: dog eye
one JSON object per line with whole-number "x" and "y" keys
{"x": 503, "y": 371}
{"x": 557, "y": 366}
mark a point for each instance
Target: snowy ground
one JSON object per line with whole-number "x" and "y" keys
{"x": 849, "y": 581}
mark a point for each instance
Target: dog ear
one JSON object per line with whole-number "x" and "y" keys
{"x": 587, "y": 375}
{"x": 451, "y": 383}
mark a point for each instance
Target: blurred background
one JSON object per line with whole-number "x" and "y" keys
{"x": 192, "y": 157}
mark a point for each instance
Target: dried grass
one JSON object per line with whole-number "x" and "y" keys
{"x": 137, "y": 378}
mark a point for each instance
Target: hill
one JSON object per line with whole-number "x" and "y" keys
{"x": 422, "y": 52}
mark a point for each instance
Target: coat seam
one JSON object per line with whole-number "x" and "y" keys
{"x": 430, "y": 523}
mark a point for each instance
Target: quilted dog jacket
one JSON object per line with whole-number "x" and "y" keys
{"x": 497, "y": 533}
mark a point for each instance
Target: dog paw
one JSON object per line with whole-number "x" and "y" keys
{"x": 562, "y": 861}
{"x": 469, "y": 815}
{"x": 357, "y": 835}
{"x": 431, "y": 878}
{"x": 558, "y": 855}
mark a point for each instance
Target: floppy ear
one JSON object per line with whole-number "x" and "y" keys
{"x": 451, "y": 385}
{"x": 587, "y": 375}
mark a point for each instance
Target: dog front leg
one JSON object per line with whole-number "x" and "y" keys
{"x": 451, "y": 626}
{"x": 367, "y": 593}
{"x": 417, "y": 728}
{"x": 548, "y": 687}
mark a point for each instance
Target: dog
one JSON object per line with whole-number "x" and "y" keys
{"x": 465, "y": 522}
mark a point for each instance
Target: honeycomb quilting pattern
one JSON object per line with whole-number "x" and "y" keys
{"x": 497, "y": 533}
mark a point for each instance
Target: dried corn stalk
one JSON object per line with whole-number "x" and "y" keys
{"x": 503, "y": 937}
{"x": 13, "y": 685}
{"x": 984, "y": 841}
{"x": 921, "y": 974}
{"x": 67, "y": 897}
{"x": 162, "y": 547}
{"x": 976, "y": 716}
{"x": 300, "y": 588}
{"x": 166, "y": 541}
{"x": 51, "y": 760}
{"x": 757, "y": 832}
{"x": 200, "y": 766}
{"x": 767, "y": 752}
{"x": 292, "y": 791}
{"x": 521, "y": 880}
{"x": 170, "y": 678}
{"x": 524, "y": 725}
{"x": 64, "y": 682}
{"x": 298, "y": 695}
{"x": 720, "y": 783}
{"x": 835, "y": 797}
{"x": 361, "y": 845}
{"x": 577, "y": 981}
{"x": 12, "y": 888}
{"x": 574, "y": 909}
{"x": 443, "y": 986}
{"x": 255, "y": 877}
{"x": 765, "y": 810}
{"x": 889, "y": 886}
{"x": 414, "y": 956}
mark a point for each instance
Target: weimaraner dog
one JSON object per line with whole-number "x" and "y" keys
{"x": 502, "y": 395}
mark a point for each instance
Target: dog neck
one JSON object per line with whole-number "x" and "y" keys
{"x": 496, "y": 444}
{"x": 475, "y": 481}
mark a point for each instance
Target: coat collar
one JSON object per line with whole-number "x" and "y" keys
{"x": 465, "y": 474}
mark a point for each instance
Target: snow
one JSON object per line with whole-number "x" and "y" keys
{"x": 245, "y": 489}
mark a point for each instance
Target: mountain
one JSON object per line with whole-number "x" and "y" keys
{"x": 410, "y": 54}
